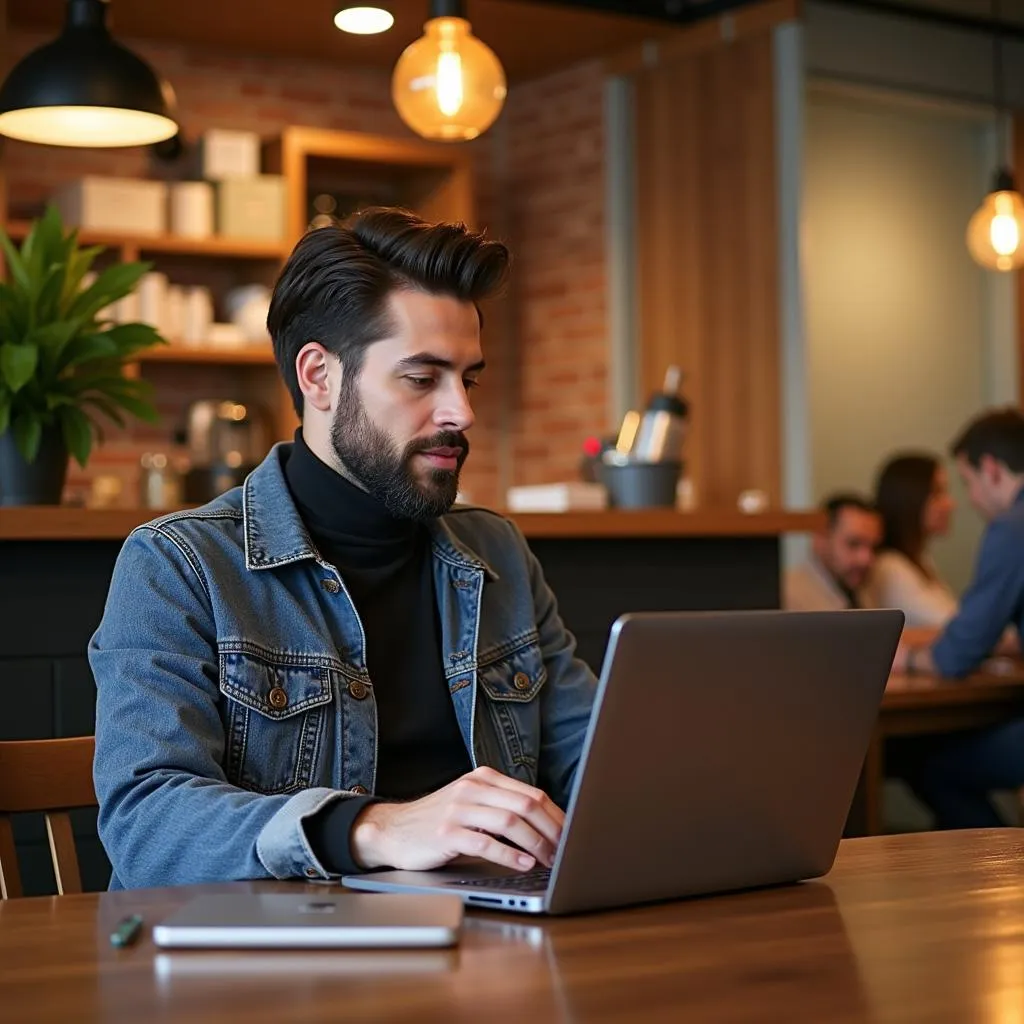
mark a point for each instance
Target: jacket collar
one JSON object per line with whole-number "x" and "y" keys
{"x": 275, "y": 534}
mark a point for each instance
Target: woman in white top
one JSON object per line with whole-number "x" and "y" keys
{"x": 912, "y": 496}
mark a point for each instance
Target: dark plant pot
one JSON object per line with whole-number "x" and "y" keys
{"x": 33, "y": 483}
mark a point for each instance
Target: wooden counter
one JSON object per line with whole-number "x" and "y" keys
{"x": 64, "y": 523}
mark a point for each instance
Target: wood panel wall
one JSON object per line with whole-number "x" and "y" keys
{"x": 1018, "y": 170}
{"x": 707, "y": 244}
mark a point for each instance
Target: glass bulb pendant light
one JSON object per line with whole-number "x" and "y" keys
{"x": 995, "y": 233}
{"x": 85, "y": 89}
{"x": 448, "y": 85}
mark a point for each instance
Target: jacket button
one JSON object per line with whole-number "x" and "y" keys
{"x": 521, "y": 681}
{"x": 330, "y": 585}
{"x": 358, "y": 689}
{"x": 358, "y": 790}
{"x": 278, "y": 698}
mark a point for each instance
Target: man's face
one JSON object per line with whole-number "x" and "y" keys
{"x": 985, "y": 485}
{"x": 847, "y": 550}
{"x": 399, "y": 427}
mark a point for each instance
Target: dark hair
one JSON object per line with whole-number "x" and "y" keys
{"x": 334, "y": 287}
{"x": 834, "y": 505}
{"x": 901, "y": 493}
{"x": 999, "y": 433}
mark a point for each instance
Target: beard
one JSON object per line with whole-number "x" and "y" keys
{"x": 386, "y": 471}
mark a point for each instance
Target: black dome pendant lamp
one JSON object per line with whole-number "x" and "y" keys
{"x": 85, "y": 89}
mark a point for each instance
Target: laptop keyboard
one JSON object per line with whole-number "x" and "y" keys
{"x": 530, "y": 881}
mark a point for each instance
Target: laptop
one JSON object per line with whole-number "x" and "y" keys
{"x": 305, "y": 921}
{"x": 722, "y": 753}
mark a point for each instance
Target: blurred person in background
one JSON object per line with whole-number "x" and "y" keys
{"x": 955, "y": 773}
{"x": 842, "y": 554}
{"x": 912, "y": 496}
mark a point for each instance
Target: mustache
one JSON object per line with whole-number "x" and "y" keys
{"x": 442, "y": 439}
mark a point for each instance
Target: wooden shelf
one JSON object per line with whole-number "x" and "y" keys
{"x": 238, "y": 248}
{"x": 222, "y": 355}
{"x": 66, "y": 523}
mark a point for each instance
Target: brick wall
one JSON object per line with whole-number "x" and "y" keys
{"x": 539, "y": 184}
{"x": 555, "y": 176}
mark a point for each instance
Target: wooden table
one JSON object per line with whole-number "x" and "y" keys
{"x": 916, "y": 705}
{"x": 925, "y": 927}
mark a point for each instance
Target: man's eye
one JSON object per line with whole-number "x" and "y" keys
{"x": 470, "y": 384}
{"x": 420, "y": 382}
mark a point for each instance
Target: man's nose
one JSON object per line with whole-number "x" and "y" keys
{"x": 455, "y": 411}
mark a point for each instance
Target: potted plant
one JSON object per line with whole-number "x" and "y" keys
{"x": 61, "y": 360}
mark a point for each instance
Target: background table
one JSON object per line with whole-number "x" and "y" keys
{"x": 915, "y": 705}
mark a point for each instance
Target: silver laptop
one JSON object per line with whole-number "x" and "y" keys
{"x": 722, "y": 753}
{"x": 310, "y": 921}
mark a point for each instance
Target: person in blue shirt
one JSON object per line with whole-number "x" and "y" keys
{"x": 954, "y": 774}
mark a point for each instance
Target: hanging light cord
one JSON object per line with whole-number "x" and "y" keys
{"x": 1002, "y": 135}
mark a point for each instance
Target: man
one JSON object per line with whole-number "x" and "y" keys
{"x": 841, "y": 557}
{"x": 954, "y": 774}
{"x": 330, "y": 669}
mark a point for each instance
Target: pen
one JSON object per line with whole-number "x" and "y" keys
{"x": 126, "y": 931}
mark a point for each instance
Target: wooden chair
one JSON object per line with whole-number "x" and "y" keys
{"x": 52, "y": 776}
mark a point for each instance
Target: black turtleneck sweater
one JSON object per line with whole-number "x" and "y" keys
{"x": 386, "y": 566}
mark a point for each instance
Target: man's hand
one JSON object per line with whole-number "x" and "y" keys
{"x": 469, "y": 817}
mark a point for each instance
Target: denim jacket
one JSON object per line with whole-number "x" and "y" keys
{"x": 233, "y": 700}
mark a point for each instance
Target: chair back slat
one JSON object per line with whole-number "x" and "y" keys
{"x": 62, "y": 852}
{"x": 10, "y": 879}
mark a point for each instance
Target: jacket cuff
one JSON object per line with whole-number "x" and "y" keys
{"x": 283, "y": 847}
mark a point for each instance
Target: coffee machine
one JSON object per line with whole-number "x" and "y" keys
{"x": 226, "y": 440}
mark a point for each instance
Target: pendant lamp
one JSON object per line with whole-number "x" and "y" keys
{"x": 448, "y": 85}
{"x": 995, "y": 233}
{"x": 85, "y": 89}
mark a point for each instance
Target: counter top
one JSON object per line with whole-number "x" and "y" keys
{"x": 66, "y": 523}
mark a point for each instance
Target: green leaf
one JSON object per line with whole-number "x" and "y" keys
{"x": 77, "y": 433}
{"x": 78, "y": 266}
{"x": 53, "y": 336}
{"x": 47, "y": 298}
{"x": 114, "y": 283}
{"x": 87, "y": 347}
{"x": 28, "y": 432}
{"x": 14, "y": 311}
{"x": 51, "y": 246}
{"x": 5, "y": 413}
{"x": 131, "y": 338}
{"x": 139, "y": 407}
{"x": 105, "y": 406}
{"x": 15, "y": 265}
{"x": 18, "y": 364}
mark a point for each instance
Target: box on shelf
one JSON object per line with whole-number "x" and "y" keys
{"x": 132, "y": 205}
{"x": 192, "y": 209}
{"x": 574, "y": 496}
{"x": 251, "y": 207}
{"x": 228, "y": 153}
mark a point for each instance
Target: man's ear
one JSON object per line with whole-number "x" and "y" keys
{"x": 319, "y": 374}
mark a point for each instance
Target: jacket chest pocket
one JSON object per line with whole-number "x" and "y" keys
{"x": 511, "y": 690}
{"x": 275, "y": 719}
